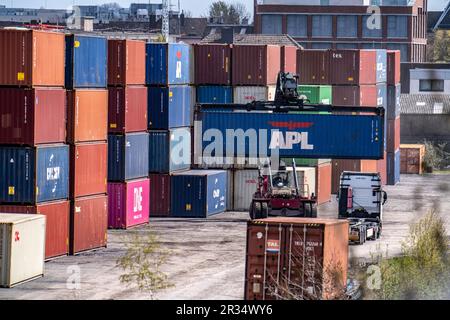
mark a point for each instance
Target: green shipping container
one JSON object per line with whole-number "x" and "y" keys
{"x": 302, "y": 162}
{"x": 316, "y": 94}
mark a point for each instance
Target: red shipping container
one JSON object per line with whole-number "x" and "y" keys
{"x": 255, "y": 65}
{"x": 127, "y": 111}
{"x": 313, "y": 66}
{"x": 393, "y": 135}
{"x": 87, "y": 112}
{"x": 32, "y": 116}
{"x": 353, "y": 67}
{"x": 88, "y": 223}
{"x": 126, "y": 62}
{"x": 31, "y": 58}
{"x": 323, "y": 182}
{"x": 128, "y": 203}
{"x": 381, "y": 168}
{"x": 393, "y": 67}
{"x": 289, "y": 59}
{"x": 57, "y": 224}
{"x": 365, "y": 95}
{"x": 159, "y": 195}
{"x": 212, "y": 64}
{"x": 88, "y": 169}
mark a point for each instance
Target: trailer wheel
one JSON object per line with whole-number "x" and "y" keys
{"x": 264, "y": 210}
{"x": 306, "y": 208}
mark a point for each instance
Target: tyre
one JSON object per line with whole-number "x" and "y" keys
{"x": 264, "y": 210}
{"x": 313, "y": 210}
{"x": 306, "y": 210}
{"x": 257, "y": 210}
{"x": 379, "y": 231}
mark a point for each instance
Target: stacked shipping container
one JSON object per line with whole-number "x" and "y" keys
{"x": 128, "y": 186}
{"x": 34, "y": 161}
{"x": 87, "y": 108}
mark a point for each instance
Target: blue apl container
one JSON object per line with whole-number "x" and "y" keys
{"x": 381, "y": 65}
{"x": 127, "y": 156}
{"x": 198, "y": 193}
{"x": 261, "y": 134}
{"x": 214, "y": 94}
{"x": 168, "y": 64}
{"x": 32, "y": 175}
{"x": 169, "y": 150}
{"x": 169, "y": 107}
{"x": 86, "y": 61}
{"x": 393, "y": 168}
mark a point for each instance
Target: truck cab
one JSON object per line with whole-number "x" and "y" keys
{"x": 361, "y": 199}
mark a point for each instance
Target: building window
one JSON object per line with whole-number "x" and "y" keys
{"x": 297, "y": 25}
{"x": 321, "y": 45}
{"x": 375, "y": 45}
{"x": 347, "y": 26}
{"x": 369, "y": 30}
{"x": 272, "y": 24}
{"x": 431, "y": 85}
{"x": 322, "y": 26}
{"x": 347, "y": 46}
{"x": 397, "y": 27}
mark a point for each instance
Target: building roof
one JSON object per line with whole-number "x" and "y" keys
{"x": 281, "y": 40}
{"x": 425, "y": 103}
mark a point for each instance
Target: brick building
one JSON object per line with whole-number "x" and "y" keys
{"x": 317, "y": 24}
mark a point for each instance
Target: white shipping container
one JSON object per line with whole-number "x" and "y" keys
{"x": 243, "y": 95}
{"x": 245, "y": 182}
{"x": 22, "y": 248}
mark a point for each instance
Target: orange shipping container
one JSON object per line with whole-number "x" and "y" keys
{"x": 126, "y": 62}
{"x": 87, "y": 113}
{"x": 411, "y": 158}
{"x": 31, "y": 58}
{"x": 323, "y": 182}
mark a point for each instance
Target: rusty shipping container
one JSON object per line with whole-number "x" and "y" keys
{"x": 159, "y": 195}
{"x": 31, "y": 58}
{"x": 126, "y": 62}
{"x": 88, "y": 169}
{"x": 212, "y": 64}
{"x": 339, "y": 166}
{"x": 313, "y": 66}
{"x": 353, "y": 67}
{"x": 57, "y": 224}
{"x": 88, "y": 223}
{"x": 289, "y": 59}
{"x": 364, "y": 95}
{"x": 411, "y": 158}
{"x": 298, "y": 253}
{"x": 393, "y": 67}
{"x": 127, "y": 111}
{"x": 32, "y": 116}
{"x": 393, "y": 135}
{"x": 87, "y": 115}
{"x": 255, "y": 65}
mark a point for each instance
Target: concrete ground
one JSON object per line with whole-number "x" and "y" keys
{"x": 207, "y": 258}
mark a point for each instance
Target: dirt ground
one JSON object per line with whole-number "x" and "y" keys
{"x": 207, "y": 258}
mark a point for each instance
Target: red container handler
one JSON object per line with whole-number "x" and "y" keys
{"x": 126, "y": 62}
{"x": 255, "y": 65}
{"x": 353, "y": 67}
{"x": 393, "y": 67}
{"x": 212, "y": 64}
{"x": 88, "y": 223}
{"x": 88, "y": 169}
{"x": 127, "y": 111}
{"x": 313, "y": 66}
{"x": 32, "y": 116}
{"x": 128, "y": 203}
{"x": 57, "y": 225}
{"x": 289, "y": 59}
{"x": 159, "y": 195}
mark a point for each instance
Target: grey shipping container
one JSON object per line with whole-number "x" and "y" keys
{"x": 393, "y": 102}
{"x": 245, "y": 182}
{"x": 31, "y": 175}
{"x": 128, "y": 156}
{"x": 169, "y": 151}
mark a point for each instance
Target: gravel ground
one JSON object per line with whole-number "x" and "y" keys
{"x": 207, "y": 259}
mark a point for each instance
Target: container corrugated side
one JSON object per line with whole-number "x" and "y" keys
{"x": 288, "y": 59}
{"x": 169, "y": 151}
{"x": 316, "y": 94}
{"x": 393, "y": 135}
{"x": 212, "y": 64}
{"x": 128, "y": 156}
{"x": 198, "y": 193}
{"x": 169, "y": 107}
{"x": 159, "y": 195}
{"x": 393, "y": 102}
{"x": 393, "y": 168}
{"x": 247, "y": 94}
{"x": 86, "y": 62}
{"x": 214, "y": 94}
{"x": 323, "y": 182}
{"x": 126, "y": 62}
{"x": 33, "y": 175}
{"x": 353, "y": 67}
{"x": 313, "y": 66}
{"x": 393, "y": 67}
{"x": 245, "y": 183}
{"x": 32, "y": 116}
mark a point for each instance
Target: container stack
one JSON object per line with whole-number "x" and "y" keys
{"x": 128, "y": 155}
{"x": 393, "y": 118}
{"x": 170, "y": 114}
{"x": 87, "y": 107}
{"x": 34, "y": 161}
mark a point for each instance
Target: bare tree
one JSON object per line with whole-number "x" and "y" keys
{"x": 229, "y": 13}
